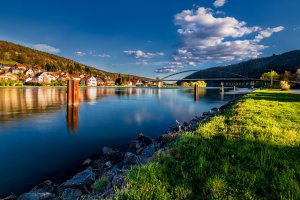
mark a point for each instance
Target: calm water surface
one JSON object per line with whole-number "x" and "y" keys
{"x": 39, "y": 140}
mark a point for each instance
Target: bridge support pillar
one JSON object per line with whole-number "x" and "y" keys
{"x": 72, "y": 92}
{"x": 196, "y": 92}
{"x": 234, "y": 88}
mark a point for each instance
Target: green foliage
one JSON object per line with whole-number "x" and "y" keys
{"x": 13, "y": 54}
{"x": 185, "y": 84}
{"x": 10, "y": 83}
{"x": 267, "y": 76}
{"x": 100, "y": 184}
{"x": 250, "y": 152}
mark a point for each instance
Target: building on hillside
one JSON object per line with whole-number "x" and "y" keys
{"x": 109, "y": 82}
{"x": 22, "y": 67}
{"x": 91, "y": 82}
{"x": 8, "y": 76}
{"x": 129, "y": 84}
{"x": 37, "y": 69}
{"x": 136, "y": 82}
{"x": 100, "y": 81}
{"x": 44, "y": 78}
{"x": 16, "y": 70}
{"x": 29, "y": 72}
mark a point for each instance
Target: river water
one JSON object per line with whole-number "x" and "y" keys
{"x": 41, "y": 139}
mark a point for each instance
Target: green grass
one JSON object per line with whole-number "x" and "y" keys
{"x": 100, "y": 184}
{"x": 250, "y": 152}
{"x": 6, "y": 62}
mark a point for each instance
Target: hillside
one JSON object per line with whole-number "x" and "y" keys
{"x": 289, "y": 61}
{"x": 13, "y": 54}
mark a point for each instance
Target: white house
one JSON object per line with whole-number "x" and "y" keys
{"x": 44, "y": 77}
{"x": 91, "y": 82}
{"x": 29, "y": 72}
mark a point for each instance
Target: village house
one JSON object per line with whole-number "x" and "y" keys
{"x": 16, "y": 70}
{"x": 136, "y": 82}
{"x": 8, "y": 76}
{"x": 29, "y": 73}
{"x": 109, "y": 82}
{"x": 129, "y": 84}
{"x": 100, "y": 81}
{"x": 91, "y": 82}
{"x": 44, "y": 77}
{"x": 37, "y": 69}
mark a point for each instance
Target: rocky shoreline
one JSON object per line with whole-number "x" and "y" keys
{"x": 105, "y": 173}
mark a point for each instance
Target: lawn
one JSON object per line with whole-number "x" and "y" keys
{"x": 250, "y": 152}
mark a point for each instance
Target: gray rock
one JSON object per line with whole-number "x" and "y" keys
{"x": 72, "y": 194}
{"x": 37, "y": 196}
{"x": 109, "y": 164}
{"x": 88, "y": 162}
{"x": 117, "y": 181}
{"x": 149, "y": 151}
{"x": 129, "y": 159}
{"x": 10, "y": 197}
{"x": 113, "y": 155}
{"x": 108, "y": 194}
{"x": 81, "y": 179}
{"x": 144, "y": 139}
{"x": 132, "y": 144}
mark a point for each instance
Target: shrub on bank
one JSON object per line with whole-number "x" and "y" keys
{"x": 284, "y": 85}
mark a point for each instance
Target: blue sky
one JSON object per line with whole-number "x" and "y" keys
{"x": 150, "y": 37}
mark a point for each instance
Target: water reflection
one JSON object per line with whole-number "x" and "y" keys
{"x": 72, "y": 118}
{"x": 37, "y": 122}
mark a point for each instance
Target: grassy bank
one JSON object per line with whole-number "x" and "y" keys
{"x": 250, "y": 152}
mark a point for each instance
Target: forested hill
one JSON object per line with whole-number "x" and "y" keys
{"x": 289, "y": 61}
{"x": 14, "y": 54}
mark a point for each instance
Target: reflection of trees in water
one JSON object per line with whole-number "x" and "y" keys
{"x": 16, "y": 103}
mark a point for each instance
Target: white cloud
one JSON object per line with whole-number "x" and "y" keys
{"x": 91, "y": 53}
{"x": 80, "y": 53}
{"x": 219, "y": 3}
{"x": 103, "y": 55}
{"x": 141, "y": 54}
{"x": 206, "y": 38}
{"x": 46, "y": 48}
{"x": 267, "y": 33}
{"x": 167, "y": 69}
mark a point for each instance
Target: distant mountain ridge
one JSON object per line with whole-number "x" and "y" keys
{"x": 254, "y": 68}
{"x": 14, "y": 54}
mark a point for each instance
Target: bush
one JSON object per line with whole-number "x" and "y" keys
{"x": 284, "y": 85}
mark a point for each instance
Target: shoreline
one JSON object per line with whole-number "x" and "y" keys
{"x": 114, "y": 163}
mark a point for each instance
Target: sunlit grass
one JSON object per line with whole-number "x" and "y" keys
{"x": 251, "y": 152}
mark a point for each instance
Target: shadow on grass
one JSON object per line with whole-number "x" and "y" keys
{"x": 276, "y": 96}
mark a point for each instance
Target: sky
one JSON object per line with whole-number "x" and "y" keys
{"x": 153, "y": 38}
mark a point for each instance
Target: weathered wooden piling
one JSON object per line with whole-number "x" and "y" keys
{"x": 196, "y": 92}
{"x": 72, "y": 92}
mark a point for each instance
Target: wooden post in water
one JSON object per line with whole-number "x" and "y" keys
{"x": 72, "y": 92}
{"x": 72, "y": 104}
{"x": 196, "y": 92}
